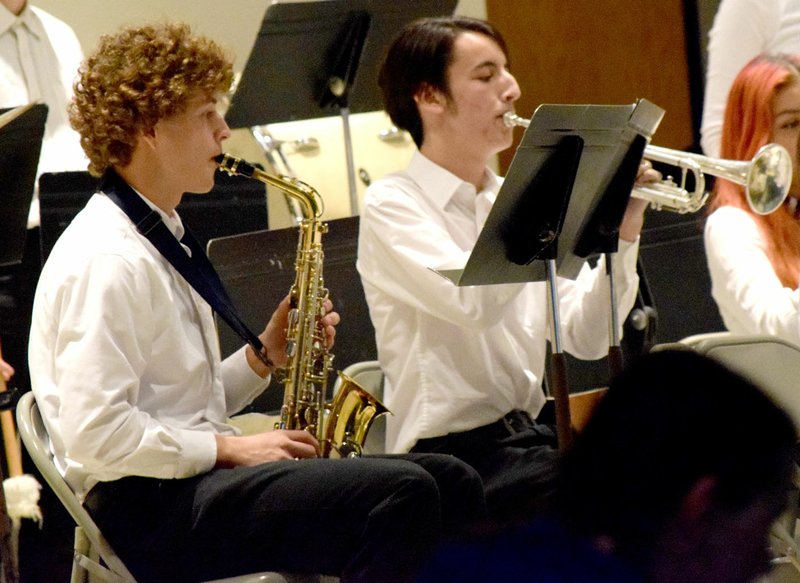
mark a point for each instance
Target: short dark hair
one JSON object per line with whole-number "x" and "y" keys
{"x": 420, "y": 56}
{"x": 669, "y": 420}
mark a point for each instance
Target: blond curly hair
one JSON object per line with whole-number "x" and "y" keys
{"x": 137, "y": 77}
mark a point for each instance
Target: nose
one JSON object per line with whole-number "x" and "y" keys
{"x": 512, "y": 91}
{"x": 223, "y": 132}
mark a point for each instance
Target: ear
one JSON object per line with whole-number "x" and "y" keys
{"x": 147, "y": 137}
{"x": 430, "y": 99}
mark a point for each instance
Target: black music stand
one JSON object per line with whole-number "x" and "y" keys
{"x": 20, "y": 146}
{"x": 321, "y": 59}
{"x": 562, "y": 199}
{"x": 21, "y": 133}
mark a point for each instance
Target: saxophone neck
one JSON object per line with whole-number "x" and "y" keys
{"x": 309, "y": 198}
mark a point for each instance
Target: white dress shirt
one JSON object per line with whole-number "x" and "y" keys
{"x": 741, "y": 30}
{"x": 457, "y": 358}
{"x": 124, "y": 357}
{"x": 750, "y": 297}
{"x": 39, "y": 60}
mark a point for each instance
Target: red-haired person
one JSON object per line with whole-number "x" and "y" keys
{"x": 754, "y": 260}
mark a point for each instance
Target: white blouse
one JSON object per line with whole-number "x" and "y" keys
{"x": 748, "y": 293}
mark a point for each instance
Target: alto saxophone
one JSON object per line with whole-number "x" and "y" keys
{"x": 341, "y": 426}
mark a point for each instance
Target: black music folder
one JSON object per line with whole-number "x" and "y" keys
{"x": 311, "y": 59}
{"x": 21, "y": 133}
{"x": 564, "y": 194}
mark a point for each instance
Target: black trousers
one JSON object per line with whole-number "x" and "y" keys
{"x": 516, "y": 458}
{"x": 373, "y": 519}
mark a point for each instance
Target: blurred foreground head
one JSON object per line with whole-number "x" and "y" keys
{"x": 681, "y": 471}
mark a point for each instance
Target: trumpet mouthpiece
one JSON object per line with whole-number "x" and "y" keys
{"x": 511, "y": 119}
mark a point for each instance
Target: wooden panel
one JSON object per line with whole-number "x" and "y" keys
{"x": 585, "y": 51}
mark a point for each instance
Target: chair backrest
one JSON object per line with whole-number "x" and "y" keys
{"x": 369, "y": 376}
{"x": 771, "y": 363}
{"x": 34, "y": 436}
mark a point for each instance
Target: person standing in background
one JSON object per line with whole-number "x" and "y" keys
{"x": 741, "y": 30}
{"x": 39, "y": 59}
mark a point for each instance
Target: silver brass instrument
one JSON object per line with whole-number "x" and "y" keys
{"x": 766, "y": 178}
{"x": 341, "y": 426}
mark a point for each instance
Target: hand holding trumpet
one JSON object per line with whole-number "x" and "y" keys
{"x": 633, "y": 219}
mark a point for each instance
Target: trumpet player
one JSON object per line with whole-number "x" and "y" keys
{"x": 464, "y": 365}
{"x": 754, "y": 259}
{"x": 127, "y": 371}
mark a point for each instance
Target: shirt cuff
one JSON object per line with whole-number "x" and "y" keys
{"x": 199, "y": 453}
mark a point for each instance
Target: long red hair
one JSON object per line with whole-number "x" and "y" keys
{"x": 749, "y": 118}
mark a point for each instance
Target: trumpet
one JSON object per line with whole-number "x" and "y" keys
{"x": 766, "y": 178}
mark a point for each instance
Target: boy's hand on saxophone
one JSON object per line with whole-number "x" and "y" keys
{"x": 274, "y": 336}
{"x": 251, "y": 450}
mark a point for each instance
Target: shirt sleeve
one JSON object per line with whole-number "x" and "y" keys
{"x": 750, "y": 297}
{"x": 101, "y": 355}
{"x": 242, "y": 384}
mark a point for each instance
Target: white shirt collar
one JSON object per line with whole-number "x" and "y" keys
{"x": 8, "y": 20}
{"x": 442, "y": 186}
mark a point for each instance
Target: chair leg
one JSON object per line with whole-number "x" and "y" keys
{"x": 81, "y": 548}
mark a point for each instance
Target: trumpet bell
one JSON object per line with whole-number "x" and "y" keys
{"x": 769, "y": 179}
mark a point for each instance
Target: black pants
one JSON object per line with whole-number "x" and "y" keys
{"x": 516, "y": 459}
{"x": 374, "y": 519}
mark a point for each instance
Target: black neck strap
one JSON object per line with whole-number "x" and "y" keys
{"x": 195, "y": 269}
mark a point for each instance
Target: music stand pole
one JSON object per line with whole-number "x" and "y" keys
{"x": 601, "y": 234}
{"x": 351, "y": 165}
{"x": 615, "y": 360}
{"x": 558, "y": 362}
{"x": 269, "y": 145}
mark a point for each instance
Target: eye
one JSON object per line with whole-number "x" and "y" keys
{"x": 485, "y": 74}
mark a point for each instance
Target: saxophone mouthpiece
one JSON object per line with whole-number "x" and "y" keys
{"x": 235, "y": 166}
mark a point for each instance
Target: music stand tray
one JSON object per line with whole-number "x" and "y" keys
{"x": 20, "y": 146}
